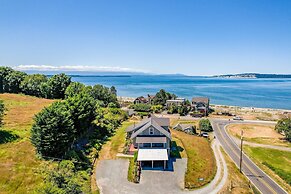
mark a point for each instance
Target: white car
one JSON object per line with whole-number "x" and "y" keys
{"x": 237, "y": 118}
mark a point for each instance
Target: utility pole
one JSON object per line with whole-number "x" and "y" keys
{"x": 241, "y": 148}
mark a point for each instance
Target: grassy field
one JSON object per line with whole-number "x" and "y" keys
{"x": 258, "y": 133}
{"x": 18, "y": 163}
{"x": 274, "y": 162}
{"x": 201, "y": 161}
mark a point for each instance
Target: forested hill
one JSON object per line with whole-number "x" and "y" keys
{"x": 254, "y": 75}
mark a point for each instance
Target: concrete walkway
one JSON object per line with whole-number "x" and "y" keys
{"x": 111, "y": 178}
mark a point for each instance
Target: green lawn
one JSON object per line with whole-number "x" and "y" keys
{"x": 275, "y": 161}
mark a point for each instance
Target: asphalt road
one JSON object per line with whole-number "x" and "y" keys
{"x": 262, "y": 181}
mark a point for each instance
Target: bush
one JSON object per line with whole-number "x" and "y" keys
{"x": 141, "y": 107}
{"x": 64, "y": 178}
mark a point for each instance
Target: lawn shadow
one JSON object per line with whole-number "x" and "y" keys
{"x": 7, "y": 136}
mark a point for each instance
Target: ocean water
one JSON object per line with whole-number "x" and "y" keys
{"x": 264, "y": 93}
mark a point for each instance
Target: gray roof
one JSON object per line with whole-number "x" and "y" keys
{"x": 201, "y": 99}
{"x": 184, "y": 126}
{"x": 154, "y": 121}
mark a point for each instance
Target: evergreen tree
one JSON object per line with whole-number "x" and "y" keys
{"x": 74, "y": 88}
{"x": 57, "y": 85}
{"x": 12, "y": 81}
{"x": 32, "y": 85}
{"x": 4, "y": 71}
{"x": 82, "y": 108}
{"x": 53, "y": 131}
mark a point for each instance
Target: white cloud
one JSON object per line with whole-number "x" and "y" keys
{"x": 80, "y": 68}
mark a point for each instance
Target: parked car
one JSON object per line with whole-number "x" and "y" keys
{"x": 237, "y": 118}
{"x": 205, "y": 134}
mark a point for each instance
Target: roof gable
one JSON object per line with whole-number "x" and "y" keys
{"x": 154, "y": 124}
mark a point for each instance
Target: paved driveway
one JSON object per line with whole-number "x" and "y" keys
{"x": 112, "y": 178}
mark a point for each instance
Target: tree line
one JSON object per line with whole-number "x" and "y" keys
{"x": 52, "y": 87}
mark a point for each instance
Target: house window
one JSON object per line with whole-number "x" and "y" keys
{"x": 151, "y": 131}
{"x": 158, "y": 145}
{"x": 146, "y": 145}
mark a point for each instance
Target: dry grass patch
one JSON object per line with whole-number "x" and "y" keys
{"x": 18, "y": 163}
{"x": 236, "y": 183}
{"x": 201, "y": 161}
{"x": 258, "y": 133}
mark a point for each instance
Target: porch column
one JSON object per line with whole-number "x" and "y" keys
{"x": 152, "y": 164}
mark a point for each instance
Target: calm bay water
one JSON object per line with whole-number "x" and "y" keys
{"x": 265, "y": 93}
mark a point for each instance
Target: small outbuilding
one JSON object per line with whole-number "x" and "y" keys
{"x": 187, "y": 128}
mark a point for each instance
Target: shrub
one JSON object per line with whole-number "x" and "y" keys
{"x": 205, "y": 125}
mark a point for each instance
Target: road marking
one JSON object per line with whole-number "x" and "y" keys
{"x": 249, "y": 168}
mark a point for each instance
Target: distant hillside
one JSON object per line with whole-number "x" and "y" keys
{"x": 254, "y": 75}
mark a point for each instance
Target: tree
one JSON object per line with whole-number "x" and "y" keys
{"x": 205, "y": 125}
{"x": 284, "y": 126}
{"x": 2, "y": 109}
{"x": 82, "y": 108}
{"x": 173, "y": 109}
{"x": 74, "y": 88}
{"x": 57, "y": 86}
{"x": 4, "y": 71}
{"x": 32, "y": 85}
{"x": 12, "y": 81}
{"x": 103, "y": 94}
{"x": 53, "y": 131}
{"x": 113, "y": 90}
{"x": 183, "y": 110}
{"x": 162, "y": 96}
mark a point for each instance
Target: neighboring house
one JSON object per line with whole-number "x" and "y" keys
{"x": 140, "y": 100}
{"x": 144, "y": 100}
{"x": 150, "y": 98}
{"x": 187, "y": 128}
{"x": 177, "y": 102}
{"x": 200, "y": 104}
{"x": 152, "y": 138}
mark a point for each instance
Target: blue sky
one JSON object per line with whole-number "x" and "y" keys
{"x": 195, "y": 37}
